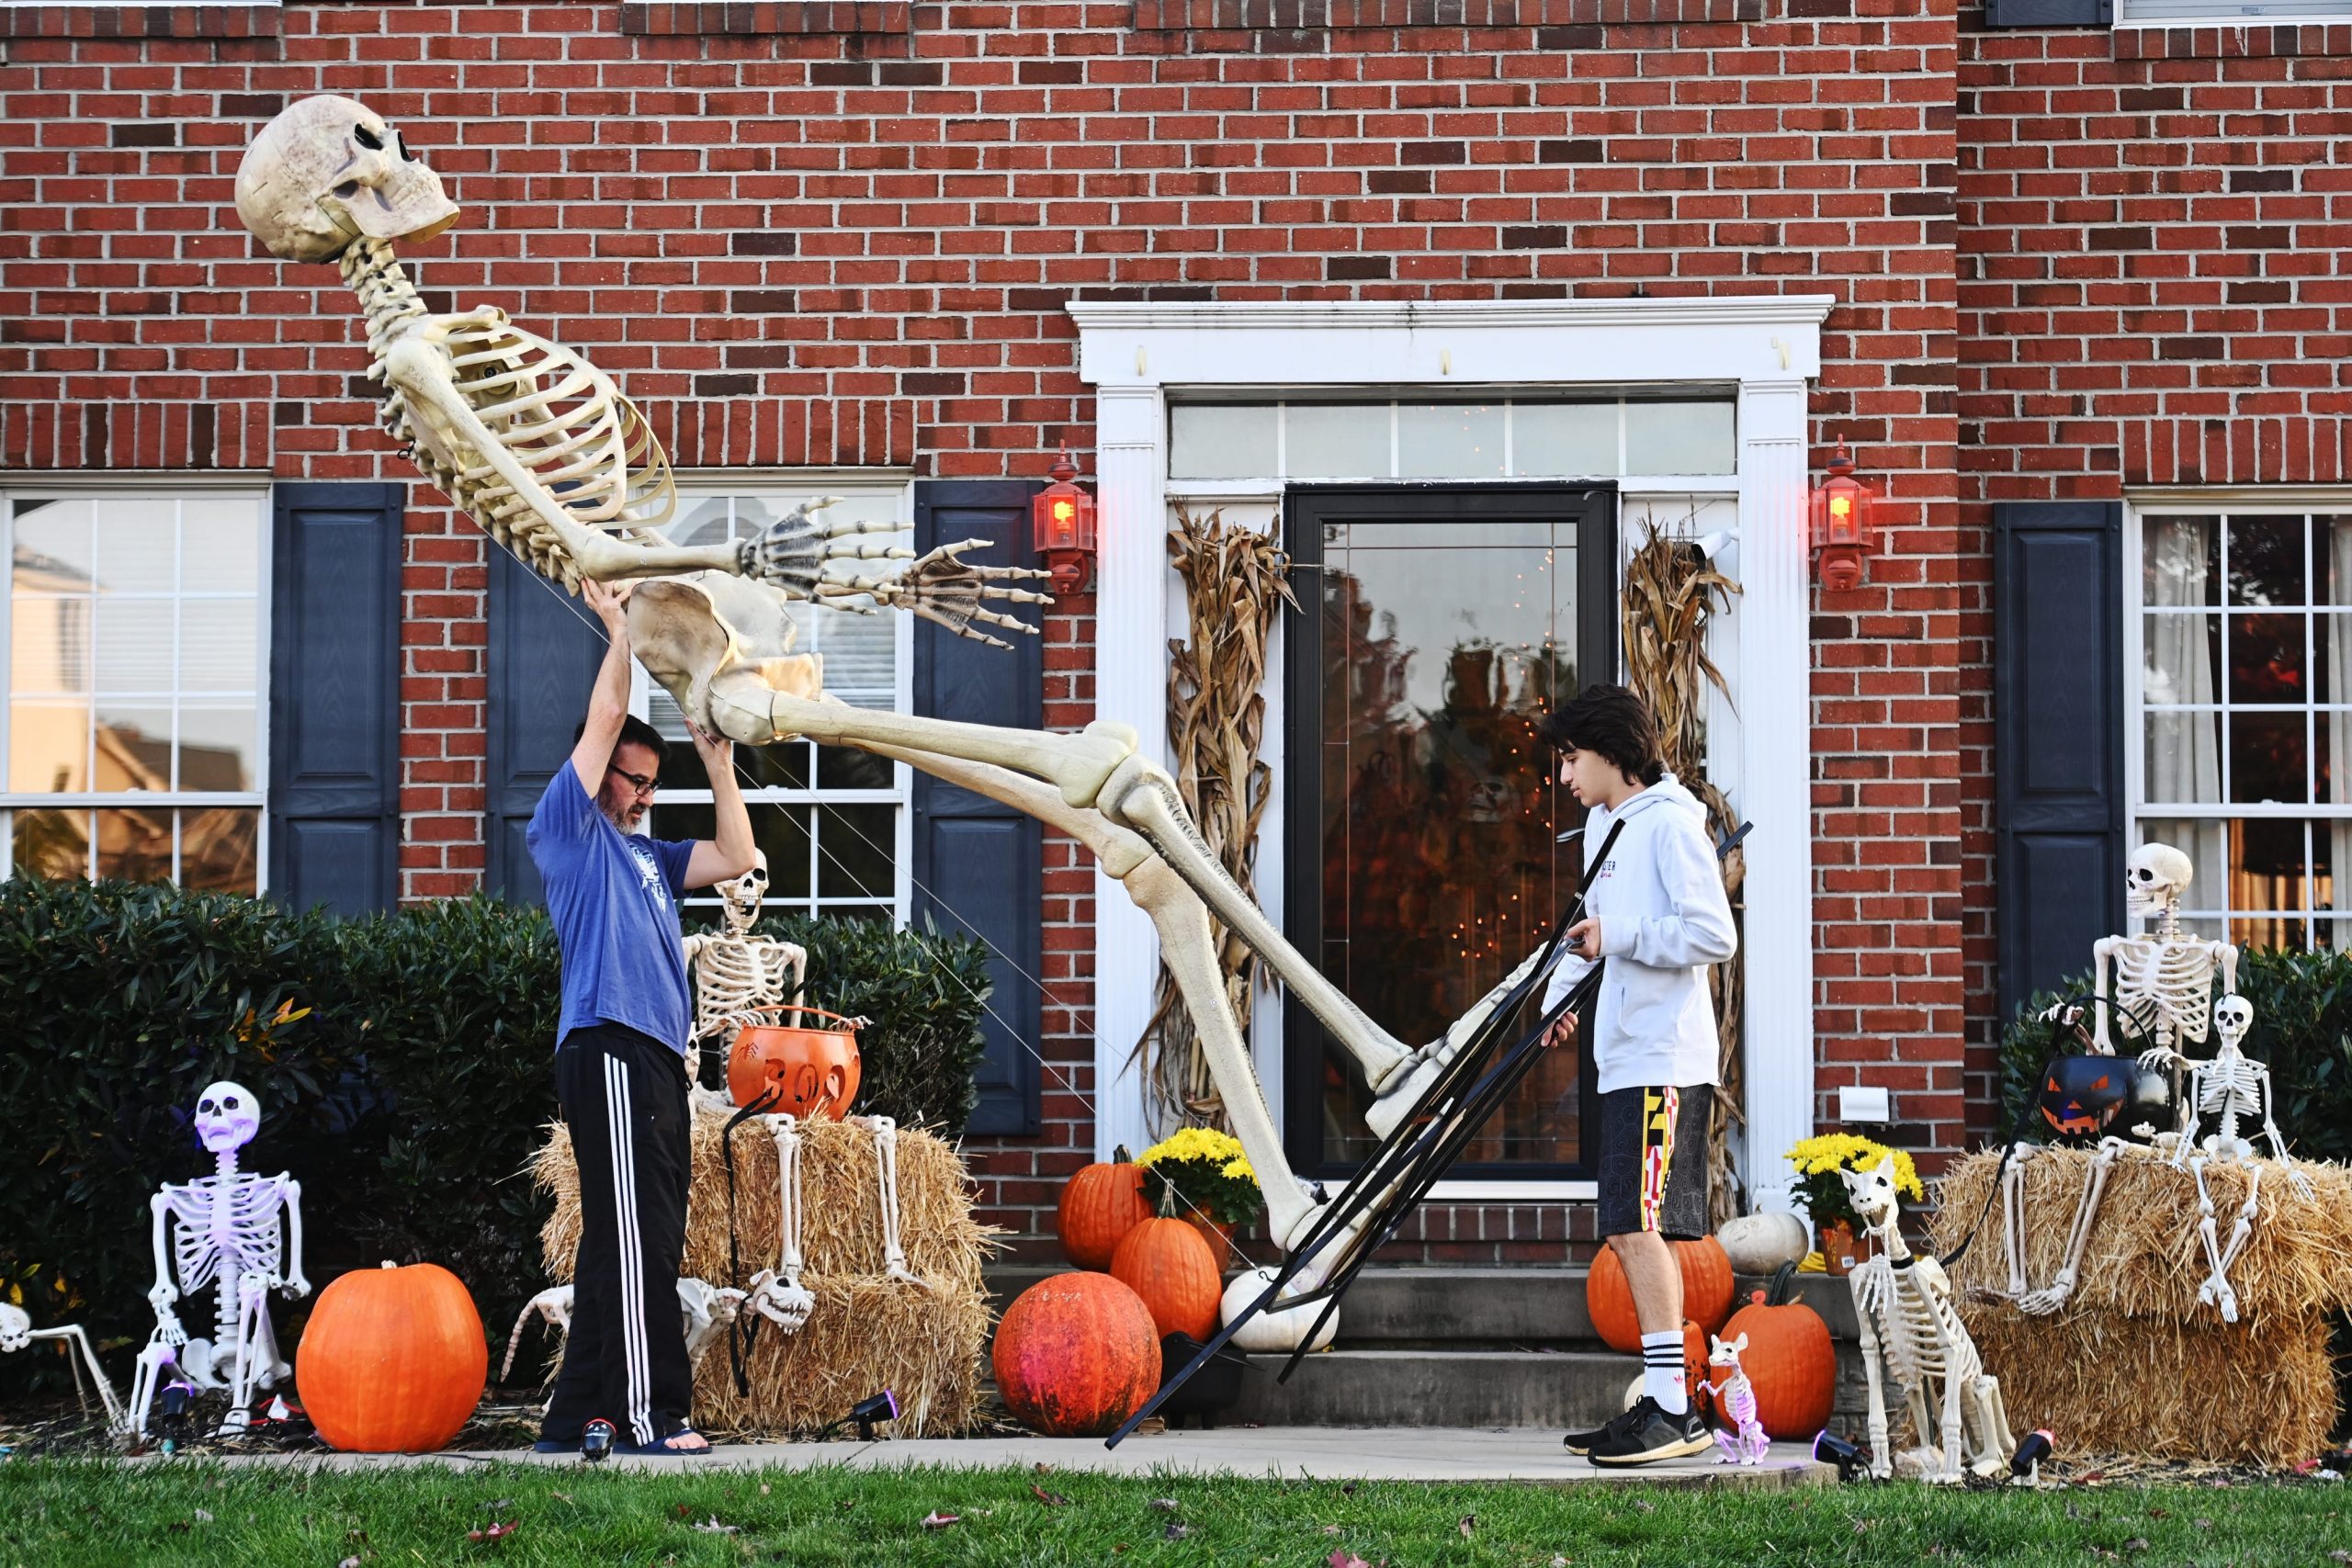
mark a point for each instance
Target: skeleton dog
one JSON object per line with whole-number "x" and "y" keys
{"x": 543, "y": 451}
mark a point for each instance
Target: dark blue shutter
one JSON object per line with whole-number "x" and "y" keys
{"x": 2049, "y": 13}
{"x": 545, "y": 648}
{"x": 978, "y": 865}
{"x": 2058, "y": 741}
{"x": 334, "y": 696}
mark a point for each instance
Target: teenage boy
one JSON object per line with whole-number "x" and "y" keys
{"x": 1656, "y": 911}
{"x": 621, "y": 1074}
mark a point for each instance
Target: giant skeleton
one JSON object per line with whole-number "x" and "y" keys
{"x": 224, "y": 1230}
{"x": 543, "y": 451}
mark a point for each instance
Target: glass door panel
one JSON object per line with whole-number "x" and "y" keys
{"x": 1425, "y": 810}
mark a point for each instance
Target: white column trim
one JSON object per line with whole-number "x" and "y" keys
{"x": 1766, "y": 347}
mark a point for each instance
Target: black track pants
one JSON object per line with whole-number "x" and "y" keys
{"x": 624, "y": 1097}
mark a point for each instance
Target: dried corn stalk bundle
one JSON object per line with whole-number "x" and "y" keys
{"x": 1235, "y": 581}
{"x": 1670, "y": 591}
{"x": 866, "y": 1332}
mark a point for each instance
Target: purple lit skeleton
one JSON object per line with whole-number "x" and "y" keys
{"x": 1737, "y": 1398}
{"x": 223, "y": 1228}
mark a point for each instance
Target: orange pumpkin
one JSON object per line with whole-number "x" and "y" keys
{"x": 1075, "y": 1355}
{"x": 393, "y": 1361}
{"x": 1166, "y": 1262}
{"x": 1789, "y": 1360}
{"x": 1100, "y": 1206}
{"x": 1706, "y": 1291}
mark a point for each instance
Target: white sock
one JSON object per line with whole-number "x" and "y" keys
{"x": 1663, "y": 1378}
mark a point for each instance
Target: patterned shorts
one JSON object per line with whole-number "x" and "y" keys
{"x": 1643, "y": 1185}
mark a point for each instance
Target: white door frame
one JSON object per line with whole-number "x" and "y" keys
{"x": 1764, "y": 346}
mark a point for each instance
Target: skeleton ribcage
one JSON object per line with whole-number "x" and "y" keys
{"x": 2178, "y": 976}
{"x": 253, "y": 1237}
{"x": 564, "y": 420}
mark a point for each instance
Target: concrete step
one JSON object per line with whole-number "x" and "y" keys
{"x": 1442, "y": 1308}
{"x": 1556, "y": 1390}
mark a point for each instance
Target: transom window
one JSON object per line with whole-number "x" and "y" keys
{"x": 1594, "y": 437}
{"x": 132, "y": 735}
{"x": 831, "y": 820}
{"x": 2244, "y": 760}
{"x": 2218, "y": 13}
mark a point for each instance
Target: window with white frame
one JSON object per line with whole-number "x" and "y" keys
{"x": 2245, "y": 753}
{"x": 2223, "y": 13}
{"x": 832, "y": 821}
{"x": 132, "y": 739}
{"x": 1590, "y": 436}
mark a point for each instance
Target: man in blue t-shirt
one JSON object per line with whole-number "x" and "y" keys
{"x": 620, "y": 1058}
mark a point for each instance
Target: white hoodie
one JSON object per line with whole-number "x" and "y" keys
{"x": 1659, "y": 898}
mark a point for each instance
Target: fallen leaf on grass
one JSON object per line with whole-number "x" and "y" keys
{"x": 2339, "y": 1555}
{"x": 1042, "y": 1468}
{"x": 712, "y": 1526}
{"x": 1176, "y": 1530}
{"x": 1468, "y": 1526}
{"x": 203, "y": 1517}
{"x": 1643, "y": 1506}
{"x": 2137, "y": 1543}
{"x": 566, "y": 1496}
{"x": 1345, "y": 1559}
{"x": 348, "y": 1563}
{"x": 1330, "y": 1529}
{"x": 1559, "y": 1562}
{"x": 1165, "y": 1505}
{"x": 496, "y": 1531}
{"x": 935, "y": 1520}
{"x": 1051, "y": 1499}
{"x": 763, "y": 1490}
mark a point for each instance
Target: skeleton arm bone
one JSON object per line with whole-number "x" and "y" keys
{"x": 296, "y": 1286}
{"x": 2276, "y": 1139}
{"x": 2101, "y": 950}
{"x": 167, "y": 1323}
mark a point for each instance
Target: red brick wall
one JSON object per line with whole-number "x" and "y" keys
{"x": 2153, "y": 287}
{"x": 802, "y": 248}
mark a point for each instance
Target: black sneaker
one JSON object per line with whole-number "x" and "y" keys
{"x": 1581, "y": 1442}
{"x": 1649, "y": 1435}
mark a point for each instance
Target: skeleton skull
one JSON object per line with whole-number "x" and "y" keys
{"x": 227, "y": 1117}
{"x": 2154, "y": 878}
{"x": 742, "y": 894}
{"x": 328, "y": 170}
{"x": 2233, "y": 1016}
{"x": 16, "y": 1327}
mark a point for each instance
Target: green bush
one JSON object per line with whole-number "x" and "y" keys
{"x": 402, "y": 1066}
{"x": 2302, "y": 1029}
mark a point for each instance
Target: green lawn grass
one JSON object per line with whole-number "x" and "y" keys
{"x": 58, "y": 1514}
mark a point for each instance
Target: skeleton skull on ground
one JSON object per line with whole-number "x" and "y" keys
{"x": 227, "y": 1117}
{"x": 330, "y": 171}
{"x": 2154, "y": 880}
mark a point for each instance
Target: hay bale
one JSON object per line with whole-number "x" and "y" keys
{"x": 2243, "y": 1393}
{"x": 2144, "y": 1258}
{"x": 866, "y": 1332}
{"x": 2135, "y": 1364}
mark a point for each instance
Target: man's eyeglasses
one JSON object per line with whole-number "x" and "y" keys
{"x": 638, "y": 782}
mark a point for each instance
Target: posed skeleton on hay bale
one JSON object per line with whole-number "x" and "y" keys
{"x": 542, "y": 450}
{"x": 738, "y": 977}
{"x": 2162, "y": 984}
{"x": 862, "y": 1330}
{"x": 1911, "y": 1332}
{"x": 2136, "y": 1362}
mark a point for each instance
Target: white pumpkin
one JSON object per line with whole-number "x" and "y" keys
{"x": 1276, "y": 1330}
{"x": 1758, "y": 1244}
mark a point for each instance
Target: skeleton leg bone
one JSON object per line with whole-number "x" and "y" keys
{"x": 2216, "y": 1290}
{"x": 777, "y": 1293}
{"x": 2241, "y": 1232}
{"x": 2053, "y": 1296}
{"x": 886, "y": 1171}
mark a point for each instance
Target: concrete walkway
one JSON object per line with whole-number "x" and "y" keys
{"x": 1325, "y": 1453}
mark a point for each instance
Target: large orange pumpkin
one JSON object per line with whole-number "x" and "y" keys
{"x": 1706, "y": 1291}
{"x": 1100, "y": 1206}
{"x": 1166, "y": 1262}
{"x": 393, "y": 1361}
{"x": 1789, "y": 1360}
{"x": 1075, "y": 1355}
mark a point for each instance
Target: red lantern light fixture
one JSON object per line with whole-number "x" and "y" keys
{"x": 1061, "y": 520}
{"x": 1842, "y": 537}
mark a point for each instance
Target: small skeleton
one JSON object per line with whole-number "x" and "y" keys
{"x": 737, "y": 975}
{"x": 2231, "y": 1088}
{"x": 707, "y": 1309}
{"x": 17, "y": 1333}
{"x": 1748, "y": 1442}
{"x": 223, "y": 1227}
{"x": 2163, "y": 980}
{"x": 1903, "y": 1306}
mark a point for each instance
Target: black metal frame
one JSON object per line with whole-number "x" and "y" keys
{"x": 1306, "y": 511}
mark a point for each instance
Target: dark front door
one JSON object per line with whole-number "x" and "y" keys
{"x": 1437, "y": 624}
